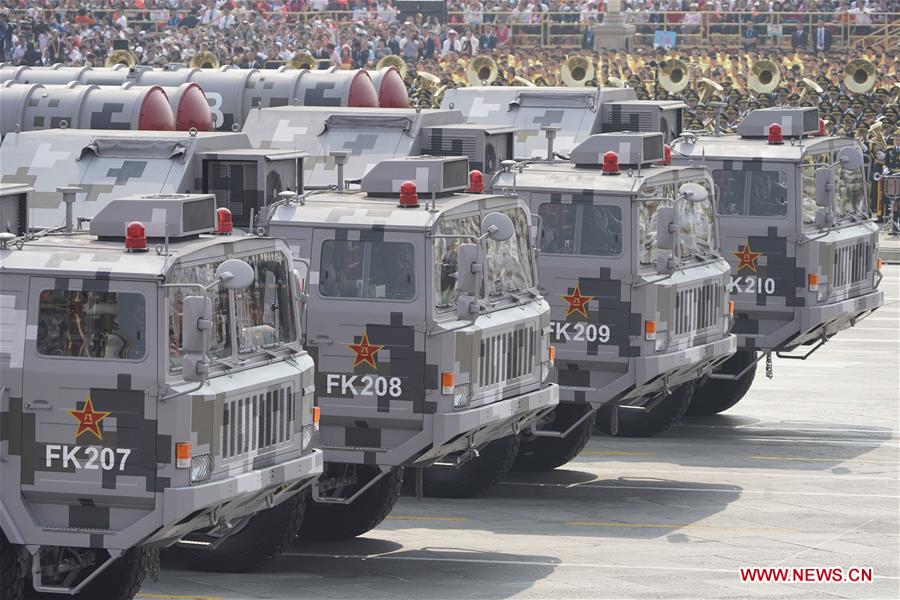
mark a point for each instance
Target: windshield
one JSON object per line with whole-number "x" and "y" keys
{"x": 850, "y": 196}
{"x": 508, "y": 265}
{"x": 695, "y": 222}
{"x": 263, "y": 313}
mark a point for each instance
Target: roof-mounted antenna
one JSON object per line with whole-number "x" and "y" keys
{"x": 550, "y": 131}
{"x": 68, "y": 197}
{"x": 718, "y": 108}
{"x": 340, "y": 159}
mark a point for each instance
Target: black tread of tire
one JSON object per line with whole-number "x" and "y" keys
{"x": 12, "y": 580}
{"x": 343, "y": 522}
{"x": 708, "y": 398}
{"x": 546, "y": 454}
{"x": 480, "y": 476}
{"x": 635, "y": 424}
{"x": 123, "y": 579}
{"x": 274, "y": 538}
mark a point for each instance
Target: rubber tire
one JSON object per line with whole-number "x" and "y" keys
{"x": 718, "y": 395}
{"x": 475, "y": 475}
{"x": 123, "y": 579}
{"x": 660, "y": 417}
{"x": 347, "y": 521}
{"x": 12, "y": 579}
{"x": 547, "y": 453}
{"x": 261, "y": 540}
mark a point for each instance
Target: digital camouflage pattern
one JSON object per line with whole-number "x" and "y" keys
{"x": 87, "y": 439}
{"x": 773, "y": 244}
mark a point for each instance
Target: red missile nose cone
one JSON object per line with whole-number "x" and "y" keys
{"x": 362, "y": 91}
{"x": 156, "y": 113}
{"x": 392, "y": 93}
{"x": 193, "y": 110}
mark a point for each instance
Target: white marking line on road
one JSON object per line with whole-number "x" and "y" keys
{"x": 894, "y": 341}
{"x": 708, "y": 490}
{"x": 532, "y": 563}
{"x": 785, "y": 428}
{"x": 819, "y": 546}
{"x": 732, "y": 470}
{"x": 824, "y": 442}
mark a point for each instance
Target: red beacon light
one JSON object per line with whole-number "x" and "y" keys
{"x": 224, "y": 224}
{"x": 667, "y": 155}
{"x": 135, "y": 237}
{"x": 821, "y": 128}
{"x": 476, "y": 182}
{"x": 775, "y": 134}
{"x": 408, "y": 196}
{"x": 610, "y": 163}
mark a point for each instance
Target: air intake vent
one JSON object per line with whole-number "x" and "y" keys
{"x": 632, "y": 149}
{"x": 235, "y": 185}
{"x": 434, "y": 176}
{"x": 14, "y": 209}
{"x": 794, "y": 122}
{"x": 507, "y": 356}
{"x": 257, "y": 422}
{"x": 175, "y": 215}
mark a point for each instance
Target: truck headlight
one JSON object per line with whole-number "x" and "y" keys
{"x": 462, "y": 395}
{"x": 201, "y": 468}
{"x": 546, "y": 368}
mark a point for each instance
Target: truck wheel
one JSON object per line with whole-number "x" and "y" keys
{"x": 263, "y": 538}
{"x": 122, "y": 579}
{"x": 346, "y": 521}
{"x": 547, "y": 453}
{"x": 718, "y": 395}
{"x": 474, "y": 476}
{"x": 633, "y": 423}
{"x": 12, "y": 579}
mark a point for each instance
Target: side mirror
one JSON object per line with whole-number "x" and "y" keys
{"x": 694, "y": 192}
{"x": 825, "y": 189}
{"x": 469, "y": 268}
{"x": 235, "y": 274}
{"x": 665, "y": 227}
{"x": 196, "y": 336}
{"x": 497, "y": 227}
{"x": 850, "y": 158}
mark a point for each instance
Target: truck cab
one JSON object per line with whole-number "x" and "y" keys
{"x": 431, "y": 338}
{"x": 629, "y": 261}
{"x": 797, "y": 233}
{"x": 153, "y": 385}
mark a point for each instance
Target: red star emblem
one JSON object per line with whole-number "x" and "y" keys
{"x": 89, "y": 419}
{"x": 577, "y": 302}
{"x": 747, "y": 258}
{"x": 365, "y": 352}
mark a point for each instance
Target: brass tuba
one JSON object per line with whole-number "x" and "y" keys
{"x": 673, "y": 75}
{"x": 764, "y": 77}
{"x": 809, "y": 85}
{"x": 523, "y": 82}
{"x": 204, "y": 60}
{"x": 482, "y": 70}
{"x": 859, "y": 76}
{"x": 577, "y": 71}
{"x": 707, "y": 87}
{"x": 121, "y": 57}
{"x": 392, "y": 60}
{"x": 302, "y": 60}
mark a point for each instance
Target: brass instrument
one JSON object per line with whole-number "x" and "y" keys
{"x": 121, "y": 57}
{"x": 764, "y": 77}
{"x": 392, "y": 60}
{"x": 673, "y": 75}
{"x": 707, "y": 86}
{"x": 523, "y": 81}
{"x": 809, "y": 84}
{"x": 615, "y": 81}
{"x": 577, "y": 71}
{"x": 302, "y": 60}
{"x": 859, "y": 76}
{"x": 204, "y": 60}
{"x": 482, "y": 70}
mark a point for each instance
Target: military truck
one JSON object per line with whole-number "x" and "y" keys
{"x": 354, "y": 141}
{"x": 630, "y": 264}
{"x": 430, "y": 337}
{"x": 798, "y": 235}
{"x": 153, "y": 388}
{"x": 110, "y": 164}
{"x": 231, "y": 92}
{"x": 575, "y": 113}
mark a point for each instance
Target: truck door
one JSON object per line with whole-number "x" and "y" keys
{"x": 365, "y": 294}
{"x": 89, "y": 409}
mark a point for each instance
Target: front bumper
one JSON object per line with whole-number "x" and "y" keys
{"x": 828, "y": 319}
{"x": 187, "y": 509}
{"x": 680, "y": 366}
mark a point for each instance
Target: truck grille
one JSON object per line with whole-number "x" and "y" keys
{"x": 507, "y": 356}
{"x": 698, "y": 307}
{"x": 257, "y": 421}
{"x": 852, "y": 263}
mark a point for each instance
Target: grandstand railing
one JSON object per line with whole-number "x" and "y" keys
{"x": 565, "y": 29}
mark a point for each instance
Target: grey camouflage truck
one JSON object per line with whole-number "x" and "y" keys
{"x": 629, "y": 261}
{"x": 153, "y": 386}
{"x": 430, "y": 337}
{"x": 797, "y": 233}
